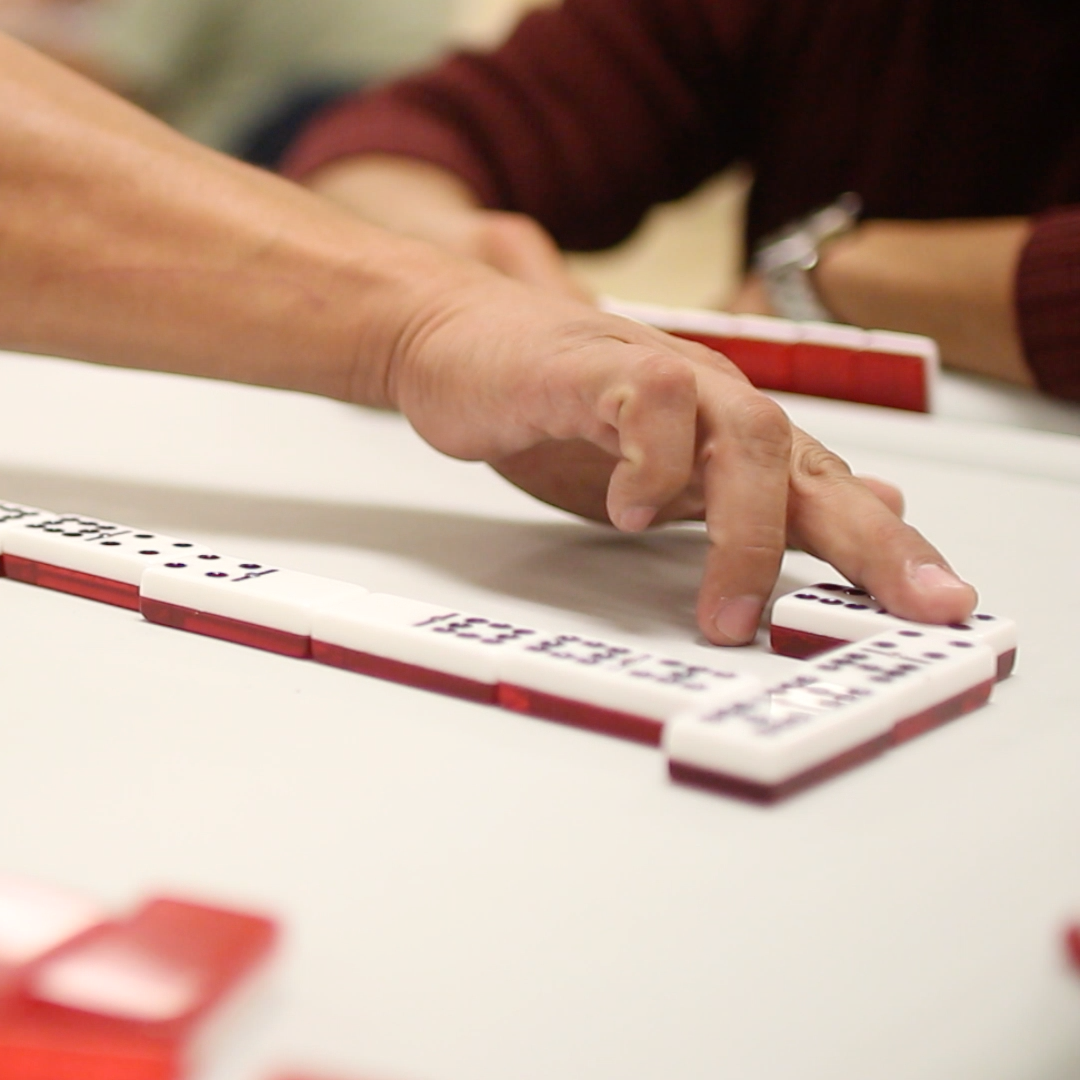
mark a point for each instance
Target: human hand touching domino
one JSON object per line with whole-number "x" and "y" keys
{"x": 609, "y": 687}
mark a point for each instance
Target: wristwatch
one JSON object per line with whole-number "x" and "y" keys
{"x": 784, "y": 259}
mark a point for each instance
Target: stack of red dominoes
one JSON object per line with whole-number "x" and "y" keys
{"x": 874, "y": 367}
{"x": 885, "y": 680}
{"x": 84, "y": 996}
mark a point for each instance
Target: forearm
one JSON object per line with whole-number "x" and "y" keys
{"x": 954, "y": 281}
{"x": 405, "y": 195}
{"x": 123, "y": 243}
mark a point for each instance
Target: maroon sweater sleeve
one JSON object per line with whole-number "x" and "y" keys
{"x": 589, "y": 114}
{"x": 1048, "y": 301}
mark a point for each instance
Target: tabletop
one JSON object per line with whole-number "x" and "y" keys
{"x": 469, "y": 894}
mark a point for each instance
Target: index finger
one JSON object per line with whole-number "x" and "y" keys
{"x": 746, "y": 453}
{"x": 835, "y": 516}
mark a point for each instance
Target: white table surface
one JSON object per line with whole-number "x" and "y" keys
{"x": 474, "y": 895}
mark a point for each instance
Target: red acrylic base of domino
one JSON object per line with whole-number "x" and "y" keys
{"x": 218, "y": 626}
{"x": 801, "y": 644}
{"x": 90, "y": 586}
{"x": 754, "y": 791}
{"x": 380, "y": 667}
{"x": 970, "y": 700}
{"x": 33, "y": 1046}
{"x": 580, "y": 714}
{"x": 902, "y": 731}
{"x": 1005, "y": 664}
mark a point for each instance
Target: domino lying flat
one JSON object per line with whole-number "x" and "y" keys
{"x": 850, "y": 705}
{"x": 238, "y": 600}
{"x": 811, "y": 620}
{"x": 611, "y": 688}
{"x": 117, "y": 1000}
{"x": 98, "y": 560}
{"x": 874, "y": 367}
{"x": 587, "y": 683}
{"x": 36, "y": 918}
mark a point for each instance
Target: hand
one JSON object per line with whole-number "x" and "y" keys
{"x": 615, "y": 420}
{"x": 425, "y": 202}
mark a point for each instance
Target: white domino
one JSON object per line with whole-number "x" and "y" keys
{"x": 849, "y": 705}
{"x": 409, "y": 641}
{"x": 97, "y": 559}
{"x": 239, "y": 600}
{"x": 818, "y": 617}
{"x": 35, "y": 918}
{"x": 611, "y": 688}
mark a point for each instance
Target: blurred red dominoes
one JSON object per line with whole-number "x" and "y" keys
{"x": 873, "y": 367}
{"x": 89, "y": 998}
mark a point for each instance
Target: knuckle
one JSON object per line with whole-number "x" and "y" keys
{"x": 810, "y": 461}
{"x": 663, "y": 380}
{"x": 762, "y": 428}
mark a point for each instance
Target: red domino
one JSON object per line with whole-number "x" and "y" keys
{"x": 580, "y": 714}
{"x": 89, "y": 586}
{"x": 220, "y": 626}
{"x": 1072, "y": 944}
{"x": 125, "y": 1000}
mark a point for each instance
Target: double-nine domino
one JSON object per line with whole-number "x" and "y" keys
{"x": 701, "y": 713}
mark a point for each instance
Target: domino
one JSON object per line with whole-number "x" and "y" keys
{"x": 1072, "y": 944}
{"x": 412, "y": 642}
{"x": 98, "y": 560}
{"x": 13, "y": 513}
{"x": 849, "y": 706}
{"x": 239, "y": 600}
{"x": 36, "y": 918}
{"x": 874, "y": 367}
{"x": 128, "y": 999}
{"x": 813, "y": 619}
{"x": 612, "y": 689}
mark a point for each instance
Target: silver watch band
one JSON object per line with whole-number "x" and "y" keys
{"x": 785, "y": 259}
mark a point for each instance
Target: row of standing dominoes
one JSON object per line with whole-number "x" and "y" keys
{"x": 88, "y": 996}
{"x": 873, "y": 367}
{"x": 598, "y": 685}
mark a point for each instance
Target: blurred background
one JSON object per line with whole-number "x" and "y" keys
{"x": 244, "y": 76}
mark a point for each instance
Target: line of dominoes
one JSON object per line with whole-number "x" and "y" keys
{"x": 883, "y": 681}
{"x": 873, "y": 367}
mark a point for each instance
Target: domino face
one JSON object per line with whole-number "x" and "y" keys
{"x": 609, "y": 688}
{"x": 169, "y": 964}
{"x": 36, "y": 918}
{"x": 238, "y": 600}
{"x": 811, "y": 620}
{"x": 412, "y": 642}
{"x": 12, "y": 514}
{"x": 850, "y": 705}
{"x": 98, "y": 560}
{"x": 874, "y": 367}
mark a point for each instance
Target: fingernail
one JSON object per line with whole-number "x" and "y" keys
{"x": 933, "y": 576}
{"x": 636, "y": 518}
{"x": 737, "y": 619}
